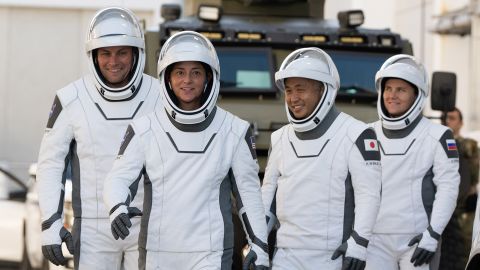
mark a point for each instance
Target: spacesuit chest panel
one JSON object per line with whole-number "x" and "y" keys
{"x": 188, "y": 176}
{"x": 99, "y": 125}
{"x": 98, "y": 136}
{"x": 121, "y": 110}
{"x": 316, "y": 153}
{"x": 311, "y": 188}
{"x": 406, "y": 157}
{"x": 203, "y": 155}
{"x": 405, "y": 163}
{"x": 191, "y": 142}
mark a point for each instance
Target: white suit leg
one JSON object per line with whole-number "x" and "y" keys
{"x": 380, "y": 256}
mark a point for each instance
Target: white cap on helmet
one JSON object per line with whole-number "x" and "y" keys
{"x": 116, "y": 26}
{"x": 407, "y": 68}
{"x": 189, "y": 46}
{"x": 311, "y": 63}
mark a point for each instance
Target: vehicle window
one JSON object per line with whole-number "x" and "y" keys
{"x": 8, "y": 186}
{"x": 246, "y": 70}
{"x": 357, "y": 70}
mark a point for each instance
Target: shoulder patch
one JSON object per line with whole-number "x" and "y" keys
{"x": 371, "y": 145}
{"x": 54, "y": 112}
{"x": 126, "y": 140}
{"x": 368, "y": 145}
{"x": 449, "y": 144}
{"x": 69, "y": 93}
{"x": 250, "y": 139}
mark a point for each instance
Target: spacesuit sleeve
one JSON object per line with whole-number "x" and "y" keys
{"x": 269, "y": 186}
{"x": 446, "y": 179}
{"x": 246, "y": 187}
{"x": 365, "y": 169}
{"x": 127, "y": 169}
{"x": 52, "y": 163}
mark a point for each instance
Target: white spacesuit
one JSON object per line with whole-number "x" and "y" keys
{"x": 419, "y": 176}
{"x": 85, "y": 128}
{"x": 322, "y": 180}
{"x": 193, "y": 161}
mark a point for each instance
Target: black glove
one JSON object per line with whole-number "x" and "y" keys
{"x": 350, "y": 263}
{"x": 249, "y": 262}
{"x": 122, "y": 222}
{"x": 425, "y": 241}
{"x": 54, "y": 253}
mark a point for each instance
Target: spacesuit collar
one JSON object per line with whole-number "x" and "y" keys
{"x": 194, "y": 127}
{"x": 321, "y": 128}
{"x": 402, "y": 133}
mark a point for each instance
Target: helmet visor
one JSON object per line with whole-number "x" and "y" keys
{"x": 114, "y": 27}
{"x": 188, "y": 47}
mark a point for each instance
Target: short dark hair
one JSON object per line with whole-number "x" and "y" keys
{"x": 455, "y": 109}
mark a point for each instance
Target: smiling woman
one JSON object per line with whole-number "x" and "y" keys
{"x": 398, "y": 96}
{"x": 188, "y": 81}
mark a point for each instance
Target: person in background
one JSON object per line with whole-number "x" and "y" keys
{"x": 85, "y": 128}
{"x": 419, "y": 171}
{"x": 457, "y": 237}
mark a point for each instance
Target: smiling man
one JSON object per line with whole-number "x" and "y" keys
{"x": 115, "y": 64}
{"x": 419, "y": 171}
{"x": 85, "y": 128}
{"x": 302, "y": 95}
{"x": 322, "y": 181}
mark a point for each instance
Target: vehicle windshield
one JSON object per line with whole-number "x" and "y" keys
{"x": 357, "y": 71}
{"x": 10, "y": 185}
{"x": 251, "y": 70}
{"x": 246, "y": 70}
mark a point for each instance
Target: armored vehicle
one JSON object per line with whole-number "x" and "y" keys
{"x": 252, "y": 37}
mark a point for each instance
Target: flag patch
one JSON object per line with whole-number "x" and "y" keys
{"x": 371, "y": 145}
{"x": 451, "y": 145}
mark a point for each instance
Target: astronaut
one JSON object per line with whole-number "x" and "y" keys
{"x": 85, "y": 128}
{"x": 322, "y": 180}
{"x": 193, "y": 155}
{"x": 419, "y": 171}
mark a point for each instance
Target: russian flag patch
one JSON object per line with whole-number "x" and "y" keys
{"x": 371, "y": 145}
{"x": 451, "y": 145}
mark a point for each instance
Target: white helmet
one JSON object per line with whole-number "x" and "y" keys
{"x": 189, "y": 46}
{"x": 116, "y": 26}
{"x": 311, "y": 63}
{"x": 407, "y": 68}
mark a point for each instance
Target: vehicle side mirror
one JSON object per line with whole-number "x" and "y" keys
{"x": 444, "y": 89}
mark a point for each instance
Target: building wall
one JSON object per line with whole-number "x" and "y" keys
{"x": 455, "y": 53}
{"x": 4, "y": 22}
{"x": 473, "y": 95}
